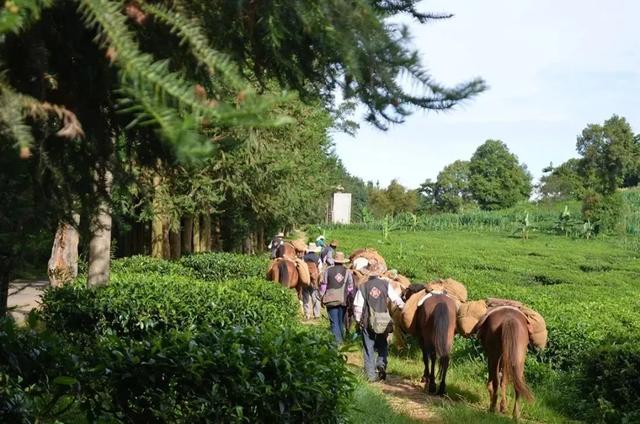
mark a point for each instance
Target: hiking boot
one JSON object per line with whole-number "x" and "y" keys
{"x": 382, "y": 372}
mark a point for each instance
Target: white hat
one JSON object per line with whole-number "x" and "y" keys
{"x": 313, "y": 248}
{"x": 320, "y": 238}
{"x": 280, "y": 234}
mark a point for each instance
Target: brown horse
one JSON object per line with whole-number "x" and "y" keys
{"x": 504, "y": 334}
{"x": 314, "y": 273}
{"x": 286, "y": 273}
{"x": 286, "y": 250}
{"x": 436, "y": 328}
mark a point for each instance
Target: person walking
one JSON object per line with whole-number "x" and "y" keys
{"x": 328, "y": 252}
{"x": 336, "y": 286}
{"x": 373, "y": 318}
{"x": 311, "y": 293}
{"x": 276, "y": 241}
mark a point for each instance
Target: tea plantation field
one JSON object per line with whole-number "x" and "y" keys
{"x": 587, "y": 291}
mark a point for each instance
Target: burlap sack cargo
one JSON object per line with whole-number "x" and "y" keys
{"x": 303, "y": 271}
{"x": 299, "y": 245}
{"x": 375, "y": 261}
{"x": 453, "y": 288}
{"x": 538, "y": 335}
{"x": 469, "y": 315}
{"x": 409, "y": 312}
{"x": 403, "y": 281}
{"x": 494, "y": 302}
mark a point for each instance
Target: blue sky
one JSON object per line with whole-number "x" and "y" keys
{"x": 552, "y": 67}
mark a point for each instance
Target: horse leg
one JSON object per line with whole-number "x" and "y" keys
{"x": 503, "y": 389}
{"x": 432, "y": 374}
{"x": 493, "y": 383}
{"x": 444, "y": 365}
{"x": 425, "y": 361}
{"x": 516, "y": 407}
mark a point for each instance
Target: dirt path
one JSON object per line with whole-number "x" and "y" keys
{"x": 405, "y": 396}
{"x": 24, "y": 295}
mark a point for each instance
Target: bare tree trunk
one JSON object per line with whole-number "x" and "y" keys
{"x": 7, "y": 262}
{"x": 156, "y": 236}
{"x": 176, "y": 243}
{"x": 261, "y": 240}
{"x": 187, "y": 234}
{"x": 216, "y": 239}
{"x": 166, "y": 242}
{"x": 100, "y": 243}
{"x": 205, "y": 233}
{"x": 63, "y": 264}
{"x": 196, "y": 234}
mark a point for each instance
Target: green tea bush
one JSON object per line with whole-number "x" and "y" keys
{"x": 288, "y": 375}
{"x": 147, "y": 264}
{"x": 35, "y": 374}
{"x": 611, "y": 383}
{"x": 221, "y": 266}
{"x": 136, "y": 304}
{"x": 229, "y": 375}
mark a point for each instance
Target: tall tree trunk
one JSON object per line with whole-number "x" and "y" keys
{"x": 205, "y": 233}
{"x": 196, "y": 234}
{"x": 100, "y": 243}
{"x": 7, "y": 262}
{"x": 63, "y": 264}
{"x": 261, "y": 240}
{"x": 176, "y": 243}
{"x": 187, "y": 234}
{"x": 166, "y": 242}
{"x": 156, "y": 236}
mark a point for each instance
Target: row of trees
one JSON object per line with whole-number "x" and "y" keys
{"x": 172, "y": 121}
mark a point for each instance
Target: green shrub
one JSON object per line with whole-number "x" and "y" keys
{"x": 36, "y": 370}
{"x": 224, "y": 266}
{"x": 605, "y": 212}
{"x": 136, "y": 304}
{"x": 228, "y": 376}
{"x": 611, "y": 383}
{"x": 147, "y": 264}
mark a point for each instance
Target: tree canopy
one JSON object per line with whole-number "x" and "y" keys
{"x": 496, "y": 179}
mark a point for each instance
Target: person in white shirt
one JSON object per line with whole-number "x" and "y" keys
{"x": 372, "y": 315}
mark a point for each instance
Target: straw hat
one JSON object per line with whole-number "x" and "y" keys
{"x": 340, "y": 258}
{"x": 280, "y": 234}
{"x": 334, "y": 243}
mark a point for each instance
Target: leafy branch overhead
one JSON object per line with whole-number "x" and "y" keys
{"x": 184, "y": 68}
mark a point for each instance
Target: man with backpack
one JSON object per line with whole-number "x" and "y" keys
{"x": 372, "y": 315}
{"x": 336, "y": 286}
{"x": 328, "y": 252}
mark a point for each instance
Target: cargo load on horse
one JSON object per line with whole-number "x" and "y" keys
{"x": 303, "y": 271}
{"x": 452, "y": 288}
{"x": 472, "y": 314}
{"x": 368, "y": 261}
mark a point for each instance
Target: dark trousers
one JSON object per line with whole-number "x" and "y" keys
{"x": 336, "y": 319}
{"x": 374, "y": 343}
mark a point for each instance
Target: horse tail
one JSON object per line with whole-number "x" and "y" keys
{"x": 513, "y": 358}
{"x": 283, "y": 271}
{"x": 441, "y": 324}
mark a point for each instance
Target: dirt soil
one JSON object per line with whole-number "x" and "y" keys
{"x": 24, "y": 295}
{"x": 405, "y": 396}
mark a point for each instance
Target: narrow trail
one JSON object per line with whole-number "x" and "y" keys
{"x": 405, "y": 396}
{"x": 24, "y": 295}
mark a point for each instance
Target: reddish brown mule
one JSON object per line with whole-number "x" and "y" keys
{"x": 286, "y": 274}
{"x": 436, "y": 328}
{"x": 505, "y": 335}
{"x": 314, "y": 273}
{"x": 286, "y": 250}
